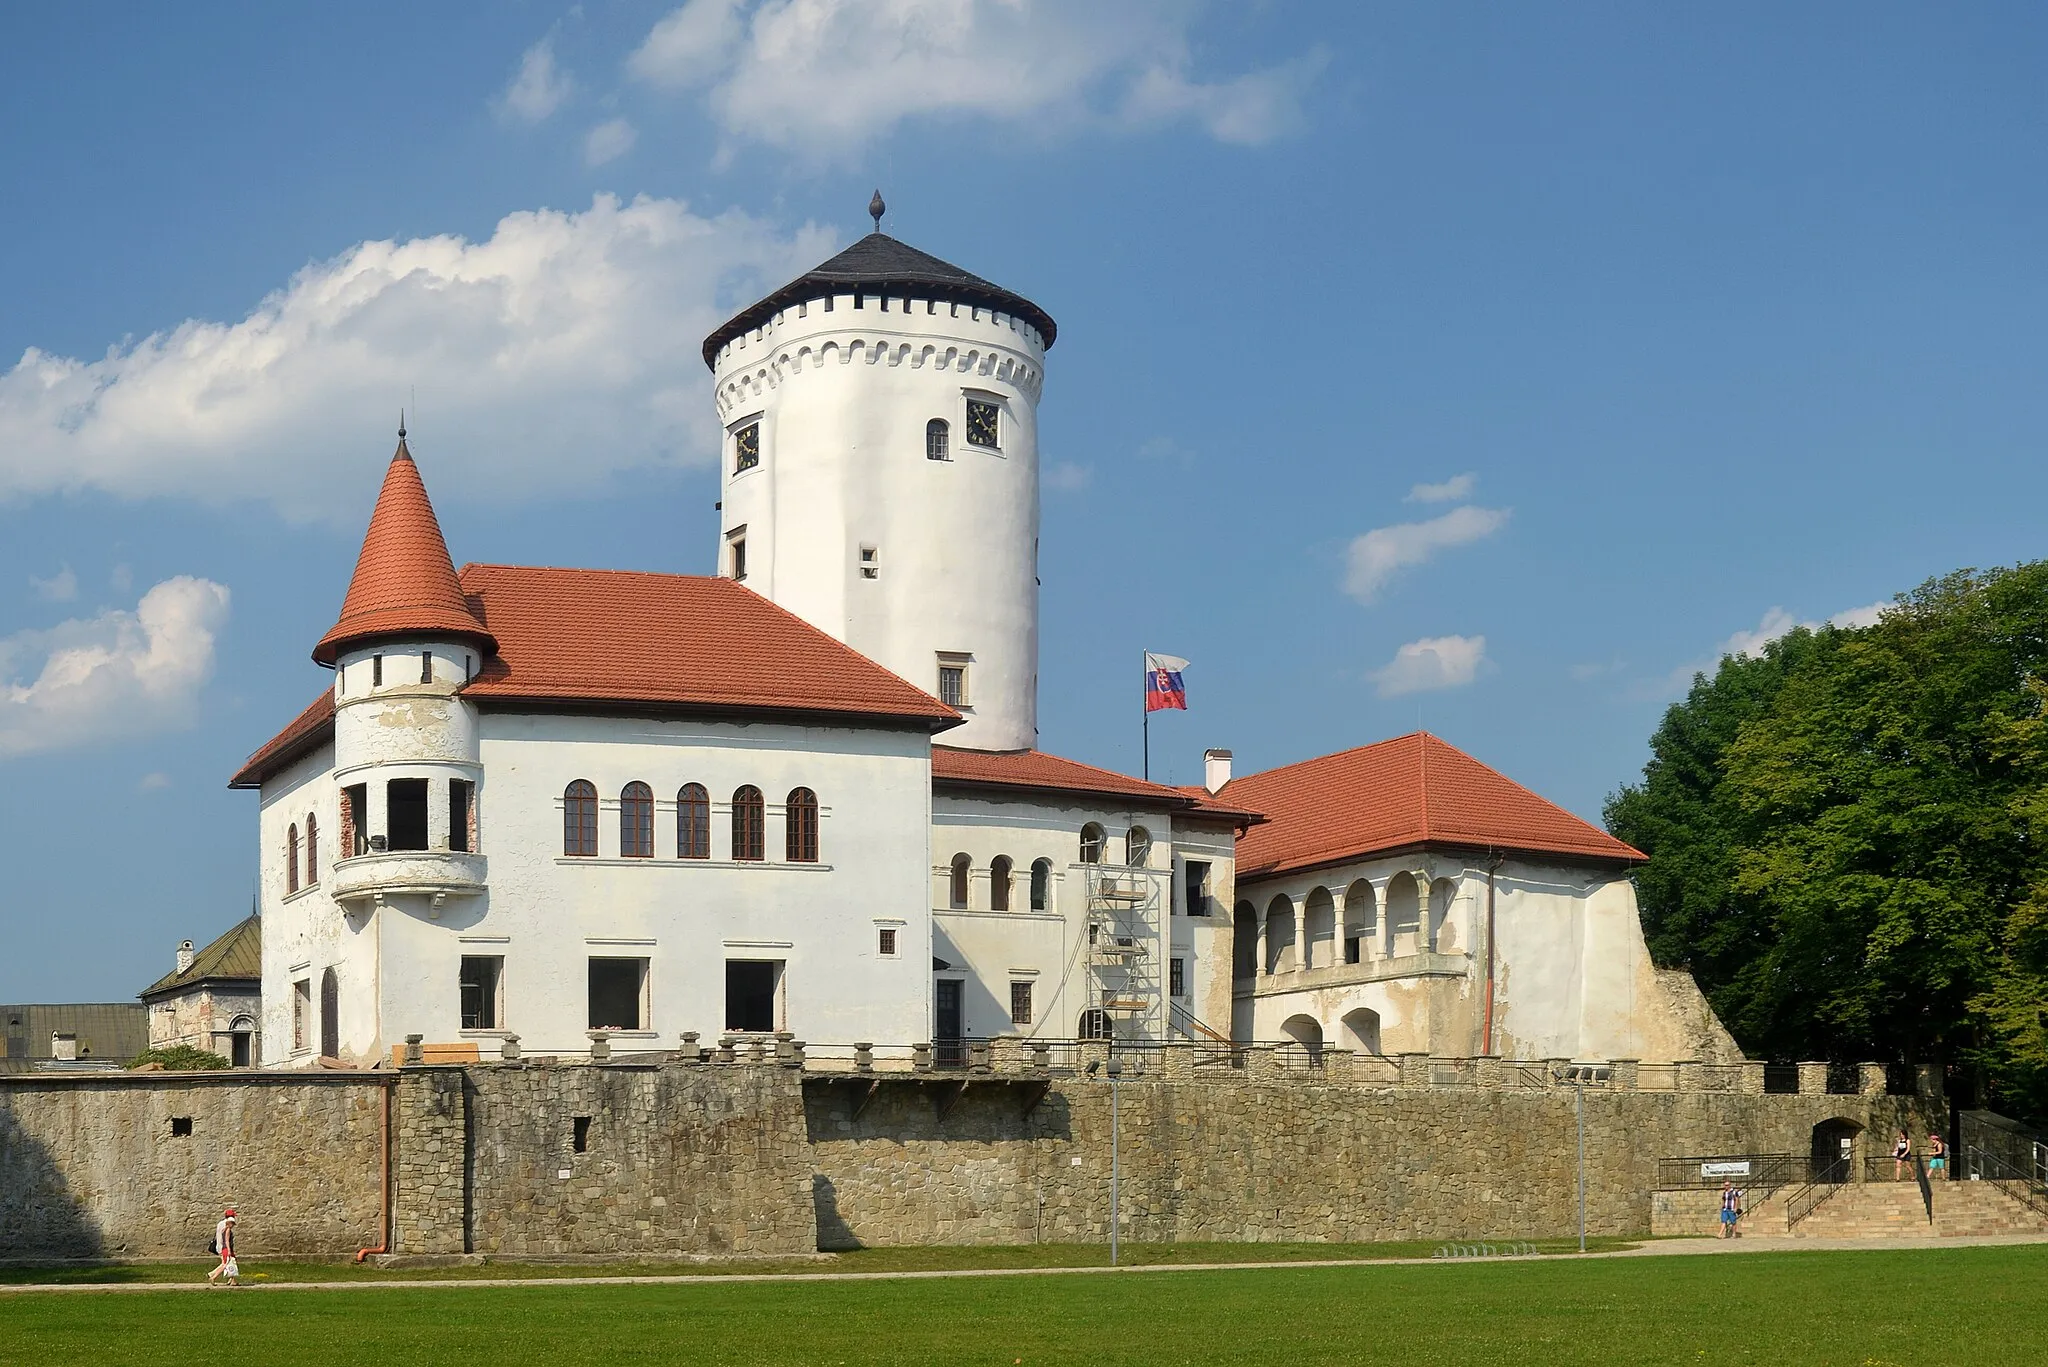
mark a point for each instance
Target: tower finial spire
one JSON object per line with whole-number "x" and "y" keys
{"x": 401, "y": 424}
{"x": 876, "y": 208}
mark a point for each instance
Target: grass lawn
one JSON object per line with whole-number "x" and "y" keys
{"x": 1976, "y": 1306}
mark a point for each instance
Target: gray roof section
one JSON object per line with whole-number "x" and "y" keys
{"x": 235, "y": 957}
{"x": 114, "y": 1032}
{"x": 879, "y": 264}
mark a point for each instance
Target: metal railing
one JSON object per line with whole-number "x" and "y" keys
{"x": 1808, "y": 1199}
{"x": 2025, "y": 1182}
{"x": 1758, "y": 1174}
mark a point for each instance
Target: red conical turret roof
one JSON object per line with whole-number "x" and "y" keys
{"x": 404, "y": 584}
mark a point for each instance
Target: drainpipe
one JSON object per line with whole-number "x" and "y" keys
{"x": 385, "y": 1183}
{"x": 1492, "y": 865}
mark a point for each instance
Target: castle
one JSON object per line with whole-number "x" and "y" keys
{"x": 594, "y": 809}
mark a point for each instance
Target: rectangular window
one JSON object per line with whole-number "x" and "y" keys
{"x": 482, "y": 977}
{"x": 1177, "y": 977}
{"x": 984, "y": 424}
{"x": 376, "y": 671}
{"x": 181, "y": 1127}
{"x": 953, "y": 680}
{"x": 426, "y": 666}
{"x": 870, "y": 563}
{"x": 579, "y": 1133}
{"x": 752, "y": 987}
{"x": 886, "y": 942}
{"x": 302, "y": 1012}
{"x": 746, "y": 447}
{"x": 461, "y": 814}
{"x": 355, "y": 820}
{"x": 618, "y": 994}
{"x": 1198, "y": 887}
{"x": 405, "y": 814}
{"x": 736, "y": 552}
{"x": 468, "y": 668}
{"x": 1020, "y": 1003}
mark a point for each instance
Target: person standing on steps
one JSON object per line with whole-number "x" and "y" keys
{"x": 1902, "y": 1153}
{"x": 1937, "y": 1157}
{"x": 229, "y": 1273}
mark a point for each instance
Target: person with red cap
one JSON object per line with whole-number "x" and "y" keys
{"x": 229, "y": 1272}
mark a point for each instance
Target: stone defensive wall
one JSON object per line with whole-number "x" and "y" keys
{"x": 773, "y": 1153}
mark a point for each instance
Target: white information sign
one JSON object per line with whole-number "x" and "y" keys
{"x": 1731, "y": 1167}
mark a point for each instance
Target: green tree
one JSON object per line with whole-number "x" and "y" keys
{"x": 180, "y": 1058}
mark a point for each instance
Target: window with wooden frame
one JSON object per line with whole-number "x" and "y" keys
{"x": 957, "y": 889}
{"x": 693, "y": 822}
{"x": 636, "y": 821}
{"x": 937, "y": 440}
{"x": 1041, "y": 885}
{"x": 1092, "y": 843}
{"x": 291, "y": 859}
{"x": 800, "y": 826}
{"x": 579, "y": 819}
{"x": 749, "y": 823}
{"x": 312, "y": 851}
{"x": 999, "y": 882}
{"x": 885, "y": 942}
{"x": 1020, "y": 1002}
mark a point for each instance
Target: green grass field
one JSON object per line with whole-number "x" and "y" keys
{"x": 1974, "y": 1306}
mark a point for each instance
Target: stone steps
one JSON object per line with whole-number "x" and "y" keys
{"x": 1876, "y": 1210}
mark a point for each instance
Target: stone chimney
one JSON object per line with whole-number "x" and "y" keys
{"x": 1215, "y": 769}
{"x": 184, "y": 955}
{"x": 63, "y": 1047}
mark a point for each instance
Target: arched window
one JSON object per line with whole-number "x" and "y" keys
{"x": 800, "y": 826}
{"x": 579, "y": 819}
{"x": 330, "y": 1015}
{"x": 935, "y": 437}
{"x": 1280, "y": 935}
{"x": 1092, "y": 842}
{"x": 999, "y": 883}
{"x": 1244, "y": 941}
{"x": 636, "y": 821}
{"x": 749, "y": 820}
{"x": 312, "y": 850}
{"x": 1041, "y": 885}
{"x": 957, "y": 890}
{"x": 693, "y": 822}
{"x": 1094, "y": 1024}
{"x": 291, "y": 859}
{"x": 1138, "y": 847}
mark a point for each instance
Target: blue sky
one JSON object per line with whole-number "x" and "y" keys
{"x": 1700, "y": 323}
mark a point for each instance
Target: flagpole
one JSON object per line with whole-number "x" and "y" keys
{"x": 1145, "y": 701}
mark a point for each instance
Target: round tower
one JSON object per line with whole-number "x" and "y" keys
{"x": 406, "y": 757}
{"x": 880, "y": 471}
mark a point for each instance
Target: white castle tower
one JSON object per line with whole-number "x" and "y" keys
{"x": 880, "y": 471}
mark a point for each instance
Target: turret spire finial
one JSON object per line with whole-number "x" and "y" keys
{"x": 401, "y": 424}
{"x": 876, "y": 208}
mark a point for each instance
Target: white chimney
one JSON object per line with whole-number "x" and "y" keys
{"x": 184, "y": 955}
{"x": 1215, "y": 769}
{"x": 63, "y": 1047}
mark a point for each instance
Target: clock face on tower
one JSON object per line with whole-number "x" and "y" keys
{"x": 746, "y": 447}
{"x": 983, "y": 421}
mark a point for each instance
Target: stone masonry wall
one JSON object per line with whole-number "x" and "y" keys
{"x": 675, "y": 1161}
{"x": 90, "y": 1166}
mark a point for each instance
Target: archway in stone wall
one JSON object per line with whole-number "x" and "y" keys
{"x": 1319, "y": 929}
{"x": 1244, "y": 941}
{"x": 1834, "y": 1149}
{"x": 1404, "y": 915}
{"x": 1280, "y": 951}
{"x": 1306, "y": 1032}
{"x": 1443, "y": 927}
{"x": 1362, "y": 1028}
{"x": 330, "y": 1015}
{"x": 1361, "y": 924}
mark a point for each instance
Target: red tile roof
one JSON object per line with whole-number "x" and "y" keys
{"x": 404, "y": 583}
{"x": 1037, "y": 770}
{"x": 1412, "y": 790}
{"x": 592, "y": 638}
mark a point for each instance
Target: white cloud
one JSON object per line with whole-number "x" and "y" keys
{"x": 1067, "y": 477}
{"x": 60, "y": 587}
{"x": 1376, "y": 557}
{"x": 151, "y": 783}
{"x": 1432, "y": 663}
{"x": 561, "y": 334}
{"x": 538, "y": 88}
{"x": 1749, "y": 643}
{"x": 115, "y": 675}
{"x": 1450, "y": 491}
{"x": 608, "y": 141}
{"x": 1866, "y": 616}
{"x": 823, "y": 77}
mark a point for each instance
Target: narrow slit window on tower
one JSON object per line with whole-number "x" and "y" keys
{"x": 870, "y": 563}
{"x": 426, "y": 666}
{"x": 736, "y": 552}
{"x": 376, "y": 671}
{"x": 936, "y": 433}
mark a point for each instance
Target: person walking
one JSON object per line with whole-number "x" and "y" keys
{"x": 1937, "y": 1156}
{"x": 1731, "y": 1208}
{"x": 229, "y": 1273}
{"x": 1902, "y": 1153}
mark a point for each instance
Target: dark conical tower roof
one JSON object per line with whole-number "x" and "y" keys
{"x": 879, "y": 264}
{"x": 404, "y": 584}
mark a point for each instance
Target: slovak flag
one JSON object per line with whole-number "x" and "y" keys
{"x": 1163, "y": 686}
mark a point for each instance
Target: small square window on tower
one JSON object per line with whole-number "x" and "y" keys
{"x": 746, "y": 447}
{"x": 984, "y": 424}
{"x": 736, "y": 552}
{"x": 885, "y": 942}
{"x": 1020, "y": 1003}
{"x": 870, "y": 563}
{"x": 953, "y": 679}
